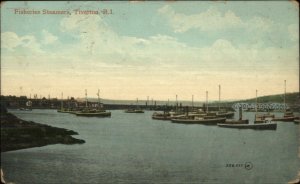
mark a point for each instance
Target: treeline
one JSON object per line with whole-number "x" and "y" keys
{"x": 22, "y": 101}
{"x": 290, "y": 98}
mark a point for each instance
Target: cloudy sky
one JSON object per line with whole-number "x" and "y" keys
{"x": 155, "y": 49}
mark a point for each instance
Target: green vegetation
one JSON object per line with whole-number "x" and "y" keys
{"x": 19, "y": 134}
{"x": 290, "y": 98}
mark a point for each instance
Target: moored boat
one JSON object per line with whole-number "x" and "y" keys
{"x": 262, "y": 118}
{"x": 99, "y": 112}
{"x": 222, "y": 112}
{"x": 161, "y": 116}
{"x": 64, "y": 111}
{"x": 260, "y": 126}
{"x": 239, "y": 121}
{"x": 225, "y": 114}
{"x": 288, "y": 115}
{"x": 25, "y": 109}
{"x": 205, "y": 121}
{"x": 28, "y": 106}
{"x": 234, "y": 122}
{"x": 71, "y": 111}
{"x": 134, "y": 111}
{"x": 284, "y": 119}
{"x": 93, "y": 113}
{"x": 137, "y": 109}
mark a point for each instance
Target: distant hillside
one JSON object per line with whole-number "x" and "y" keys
{"x": 141, "y": 102}
{"x": 290, "y": 98}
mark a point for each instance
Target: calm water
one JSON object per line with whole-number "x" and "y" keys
{"x": 133, "y": 148}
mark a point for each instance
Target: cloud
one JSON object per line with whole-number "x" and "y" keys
{"x": 293, "y": 30}
{"x": 160, "y": 60}
{"x": 95, "y": 36}
{"x": 49, "y": 38}
{"x": 31, "y": 43}
{"x": 96, "y": 40}
{"x": 258, "y": 24}
{"x": 98, "y": 43}
{"x": 10, "y": 41}
{"x": 212, "y": 19}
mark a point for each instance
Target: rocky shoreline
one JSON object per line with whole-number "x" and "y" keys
{"x": 19, "y": 134}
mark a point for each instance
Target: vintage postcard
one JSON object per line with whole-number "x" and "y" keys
{"x": 164, "y": 92}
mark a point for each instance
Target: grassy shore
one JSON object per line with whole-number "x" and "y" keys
{"x": 19, "y": 134}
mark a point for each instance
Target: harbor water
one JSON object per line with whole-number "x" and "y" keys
{"x": 133, "y": 148}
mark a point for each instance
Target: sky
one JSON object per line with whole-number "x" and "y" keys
{"x": 150, "y": 49}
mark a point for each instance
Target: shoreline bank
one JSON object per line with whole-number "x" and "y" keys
{"x": 19, "y": 134}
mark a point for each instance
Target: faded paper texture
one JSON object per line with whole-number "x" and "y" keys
{"x": 150, "y": 92}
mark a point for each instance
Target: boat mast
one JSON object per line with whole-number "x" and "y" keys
{"x": 86, "y": 101}
{"x": 137, "y": 101}
{"x": 284, "y": 95}
{"x": 147, "y": 104}
{"x": 219, "y": 96}
{"x": 176, "y": 104}
{"x": 61, "y": 104}
{"x": 256, "y": 103}
{"x": 68, "y": 103}
{"x": 192, "y": 101}
{"x": 206, "y": 101}
{"x": 240, "y": 113}
{"x": 98, "y": 94}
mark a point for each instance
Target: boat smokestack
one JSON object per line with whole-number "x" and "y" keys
{"x": 240, "y": 113}
{"x": 193, "y": 101}
{"x": 86, "y": 103}
{"x": 62, "y": 98}
{"x": 284, "y": 95}
{"x": 187, "y": 110}
{"x": 256, "y": 103}
{"x": 176, "y": 104}
{"x": 206, "y": 101}
{"x": 219, "y": 96}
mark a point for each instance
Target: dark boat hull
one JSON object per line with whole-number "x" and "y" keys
{"x": 226, "y": 115}
{"x": 264, "y": 116}
{"x": 260, "y": 126}
{"x": 259, "y": 121}
{"x": 62, "y": 111}
{"x": 24, "y": 109}
{"x": 284, "y": 119}
{"x": 134, "y": 111}
{"x": 101, "y": 114}
{"x": 161, "y": 117}
{"x": 234, "y": 122}
{"x": 201, "y": 121}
